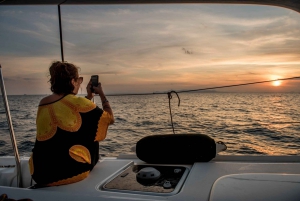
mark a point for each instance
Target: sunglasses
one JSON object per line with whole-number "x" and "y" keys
{"x": 80, "y": 80}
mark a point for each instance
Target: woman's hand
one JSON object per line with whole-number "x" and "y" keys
{"x": 90, "y": 95}
{"x": 98, "y": 90}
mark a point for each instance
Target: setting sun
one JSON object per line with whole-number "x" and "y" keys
{"x": 276, "y": 83}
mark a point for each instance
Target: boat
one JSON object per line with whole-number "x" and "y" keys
{"x": 221, "y": 178}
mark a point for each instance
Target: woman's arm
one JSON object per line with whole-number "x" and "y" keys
{"x": 90, "y": 94}
{"x": 105, "y": 103}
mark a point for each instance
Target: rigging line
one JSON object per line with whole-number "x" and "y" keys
{"x": 235, "y": 85}
{"x": 250, "y": 124}
{"x": 201, "y": 126}
{"x": 170, "y": 97}
{"x": 202, "y": 89}
{"x": 138, "y": 94}
{"x": 226, "y": 86}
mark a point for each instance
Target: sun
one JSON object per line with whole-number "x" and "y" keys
{"x": 276, "y": 83}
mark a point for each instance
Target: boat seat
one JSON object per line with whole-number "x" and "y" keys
{"x": 258, "y": 186}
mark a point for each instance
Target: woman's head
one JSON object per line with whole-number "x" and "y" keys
{"x": 64, "y": 78}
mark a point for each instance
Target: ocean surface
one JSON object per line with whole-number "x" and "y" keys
{"x": 248, "y": 123}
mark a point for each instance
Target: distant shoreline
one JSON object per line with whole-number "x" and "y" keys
{"x": 161, "y": 93}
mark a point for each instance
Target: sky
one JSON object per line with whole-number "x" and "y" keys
{"x": 153, "y": 48}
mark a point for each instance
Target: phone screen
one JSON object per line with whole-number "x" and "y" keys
{"x": 95, "y": 80}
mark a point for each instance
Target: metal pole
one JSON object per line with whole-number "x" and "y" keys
{"x": 11, "y": 129}
{"x": 60, "y": 34}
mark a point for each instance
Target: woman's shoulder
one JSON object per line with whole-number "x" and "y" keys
{"x": 50, "y": 99}
{"x": 81, "y": 103}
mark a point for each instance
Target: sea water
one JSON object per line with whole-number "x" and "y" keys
{"x": 248, "y": 123}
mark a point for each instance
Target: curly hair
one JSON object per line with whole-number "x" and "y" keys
{"x": 61, "y": 75}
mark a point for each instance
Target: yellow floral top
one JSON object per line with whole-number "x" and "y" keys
{"x": 67, "y": 140}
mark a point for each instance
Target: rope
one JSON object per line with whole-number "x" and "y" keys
{"x": 201, "y": 89}
{"x": 208, "y": 88}
{"x": 170, "y": 97}
{"x": 236, "y": 85}
{"x": 203, "y": 126}
{"x": 7, "y": 166}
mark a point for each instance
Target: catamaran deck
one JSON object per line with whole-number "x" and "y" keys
{"x": 224, "y": 178}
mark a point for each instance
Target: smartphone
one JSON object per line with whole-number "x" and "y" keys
{"x": 95, "y": 81}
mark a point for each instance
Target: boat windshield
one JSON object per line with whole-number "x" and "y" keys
{"x": 154, "y": 49}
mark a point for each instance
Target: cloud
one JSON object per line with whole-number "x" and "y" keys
{"x": 165, "y": 40}
{"x": 148, "y": 44}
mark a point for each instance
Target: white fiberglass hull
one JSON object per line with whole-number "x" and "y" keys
{"x": 224, "y": 178}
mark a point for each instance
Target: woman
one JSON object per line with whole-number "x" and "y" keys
{"x": 69, "y": 129}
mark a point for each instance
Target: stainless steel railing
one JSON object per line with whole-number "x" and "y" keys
{"x": 12, "y": 134}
